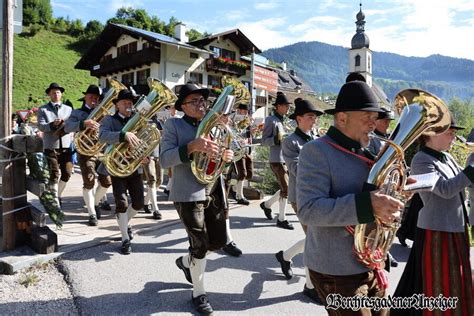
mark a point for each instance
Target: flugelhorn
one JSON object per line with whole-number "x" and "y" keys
{"x": 87, "y": 141}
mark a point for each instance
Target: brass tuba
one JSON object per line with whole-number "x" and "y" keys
{"x": 122, "y": 160}
{"x": 421, "y": 113}
{"x": 87, "y": 141}
{"x": 206, "y": 169}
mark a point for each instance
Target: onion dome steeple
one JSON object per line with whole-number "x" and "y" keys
{"x": 360, "y": 39}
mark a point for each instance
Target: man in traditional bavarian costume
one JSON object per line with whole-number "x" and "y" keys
{"x": 243, "y": 167}
{"x": 56, "y": 144}
{"x": 306, "y": 115}
{"x": 331, "y": 199}
{"x": 110, "y": 132}
{"x": 78, "y": 122}
{"x": 273, "y": 132}
{"x": 200, "y": 207}
{"x": 381, "y": 129}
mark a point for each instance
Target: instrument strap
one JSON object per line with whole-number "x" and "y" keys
{"x": 368, "y": 161}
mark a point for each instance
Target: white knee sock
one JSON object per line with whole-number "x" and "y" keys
{"x": 186, "y": 260}
{"x": 275, "y": 197}
{"x": 99, "y": 194}
{"x": 131, "y": 212}
{"x": 53, "y": 188}
{"x": 294, "y": 250}
{"x": 239, "y": 188}
{"x": 152, "y": 197}
{"x": 169, "y": 184}
{"x": 88, "y": 195}
{"x": 197, "y": 270}
{"x": 309, "y": 284}
{"x": 61, "y": 187}
{"x": 227, "y": 231}
{"x": 146, "y": 199}
{"x": 122, "y": 220}
{"x": 282, "y": 209}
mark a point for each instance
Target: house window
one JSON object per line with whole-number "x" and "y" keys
{"x": 369, "y": 64}
{"x": 216, "y": 51}
{"x": 213, "y": 81}
{"x": 145, "y": 45}
{"x": 142, "y": 76}
{"x": 228, "y": 54}
{"x": 132, "y": 47}
{"x": 106, "y": 58}
{"x": 357, "y": 60}
{"x": 193, "y": 55}
{"x": 195, "y": 77}
{"x": 127, "y": 79}
{"x": 122, "y": 50}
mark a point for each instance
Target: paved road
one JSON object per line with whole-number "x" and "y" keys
{"x": 148, "y": 282}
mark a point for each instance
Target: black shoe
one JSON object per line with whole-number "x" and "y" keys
{"x": 93, "y": 220}
{"x": 393, "y": 262}
{"x": 157, "y": 215}
{"x": 268, "y": 211}
{"x": 98, "y": 212}
{"x": 166, "y": 191}
{"x": 232, "y": 249}
{"x": 402, "y": 242}
{"x": 126, "y": 248}
{"x": 285, "y": 224}
{"x": 130, "y": 233}
{"x": 285, "y": 265}
{"x": 202, "y": 305}
{"x": 147, "y": 208}
{"x": 311, "y": 293}
{"x": 243, "y": 201}
{"x": 105, "y": 206}
{"x": 60, "y": 202}
{"x": 187, "y": 273}
{"x": 232, "y": 195}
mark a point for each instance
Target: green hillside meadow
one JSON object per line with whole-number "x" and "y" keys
{"x": 42, "y": 59}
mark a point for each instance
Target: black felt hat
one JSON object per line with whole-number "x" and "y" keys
{"x": 454, "y": 125}
{"x": 243, "y": 106}
{"x": 93, "y": 89}
{"x": 304, "y": 106}
{"x": 54, "y": 85}
{"x": 387, "y": 114}
{"x": 353, "y": 76}
{"x": 281, "y": 99}
{"x": 125, "y": 94}
{"x": 356, "y": 96}
{"x": 188, "y": 89}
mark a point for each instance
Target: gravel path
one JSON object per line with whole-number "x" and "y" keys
{"x": 39, "y": 290}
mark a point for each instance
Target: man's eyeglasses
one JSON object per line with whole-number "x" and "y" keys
{"x": 196, "y": 102}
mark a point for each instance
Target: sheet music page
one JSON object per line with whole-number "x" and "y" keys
{"x": 424, "y": 182}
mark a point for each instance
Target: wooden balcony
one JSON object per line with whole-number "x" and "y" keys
{"x": 213, "y": 65}
{"x": 127, "y": 61}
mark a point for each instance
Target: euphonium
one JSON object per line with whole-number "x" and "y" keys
{"x": 87, "y": 141}
{"x": 206, "y": 169}
{"x": 122, "y": 160}
{"x": 464, "y": 144}
{"x": 421, "y": 113}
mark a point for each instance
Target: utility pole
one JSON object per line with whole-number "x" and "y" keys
{"x": 8, "y": 219}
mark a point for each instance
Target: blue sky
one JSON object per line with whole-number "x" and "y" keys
{"x": 406, "y": 27}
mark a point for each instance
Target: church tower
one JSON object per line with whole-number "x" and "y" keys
{"x": 360, "y": 56}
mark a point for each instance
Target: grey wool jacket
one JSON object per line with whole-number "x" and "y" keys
{"x": 272, "y": 125}
{"x": 330, "y": 196}
{"x": 46, "y": 115}
{"x": 75, "y": 123}
{"x": 443, "y": 206}
{"x": 177, "y": 133}
{"x": 291, "y": 147}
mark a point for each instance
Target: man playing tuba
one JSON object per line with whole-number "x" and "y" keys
{"x": 201, "y": 207}
{"x": 78, "y": 121}
{"x": 110, "y": 132}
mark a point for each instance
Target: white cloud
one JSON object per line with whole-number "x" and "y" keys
{"x": 265, "y": 5}
{"x": 267, "y": 33}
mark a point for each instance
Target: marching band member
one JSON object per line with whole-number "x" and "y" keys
{"x": 200, "y": 207}
{"x": 78, "y": 122}
{"x": 56, "y": 144}
{"x": 306, "y": 115}
{"x": 243, "y": 167}
{"x": 332, "y": 171}
{"x": 110, "y": 132}
{"x": 272, "y": 136}
{"x": 439, "y": 262}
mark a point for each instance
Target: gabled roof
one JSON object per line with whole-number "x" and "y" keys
{"x": 112, "y": 32}
{"x": 236, "y": 36}
{"x": 288, "y": 80}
